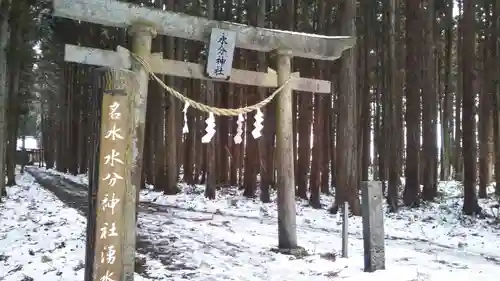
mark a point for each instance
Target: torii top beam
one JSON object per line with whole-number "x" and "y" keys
{"x": 120, "y": 14}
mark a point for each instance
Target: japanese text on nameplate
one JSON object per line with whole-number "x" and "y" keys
{"x": 220, "y": 53}
{"x": 108, "y": 230}
{"x": 110, "y": 202}
{"x": 113, "y": 158}
{"x": 114, "y": 114}
{"x": 108, "y": 256}
{"x": 112, "y": 178}
{"x": 108, "y": 276}
{"x": 113, "y": 133}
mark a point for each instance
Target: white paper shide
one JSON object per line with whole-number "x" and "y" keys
{"x": 239, "y": 130}
{"x": 210, "y": 129}
{"x": 259, "y": 119}
{"x": 185, "y": 128}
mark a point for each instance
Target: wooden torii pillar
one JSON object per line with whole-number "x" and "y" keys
{"x": 144, "y": 24}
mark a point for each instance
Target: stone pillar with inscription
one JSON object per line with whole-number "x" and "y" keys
{"x": 373, "y": 226}
{"x": 114, "y": 176}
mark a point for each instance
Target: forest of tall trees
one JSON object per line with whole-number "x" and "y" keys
{"x": 427, "y": 99}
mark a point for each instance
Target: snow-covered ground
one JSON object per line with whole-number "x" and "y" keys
{"x": 431, "y": 243}
{"x": 230, "y": 239}
{"x": 40, "y": 238}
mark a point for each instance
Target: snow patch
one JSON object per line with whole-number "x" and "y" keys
{"x": 40, "y": 237}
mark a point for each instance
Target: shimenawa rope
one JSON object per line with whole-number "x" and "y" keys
{"x": 203, "y": 107}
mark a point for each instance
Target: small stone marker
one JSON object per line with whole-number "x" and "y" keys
{"x": 345, "y": 230}
{"x": 220, "y": 53}
{"x": 373, "y": 226}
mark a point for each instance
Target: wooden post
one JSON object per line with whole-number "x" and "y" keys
{"x": 115, "y": 167}
{"x": 287, "y": 232}
{"x": 142, "y": 36}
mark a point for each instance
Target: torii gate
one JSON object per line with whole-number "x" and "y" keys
{"x": 144, "y": 23}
